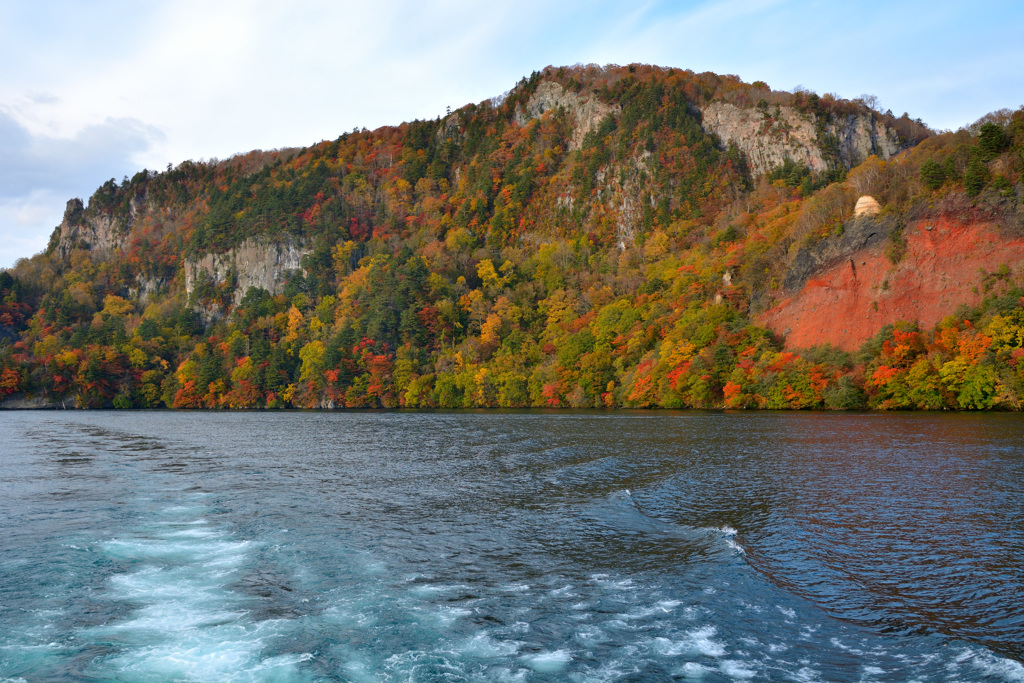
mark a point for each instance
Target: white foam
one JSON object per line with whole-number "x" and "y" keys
{"x": 485, "y": 647}
{"x": 697, "y": 642}
{"x": 668, "y": 648}
{"x": 693, "y": 670}
{"x": 183, "y": 510}
{"x": 548, "y": 662}
{"x": 994, "y": 666}
{"x": 807, "y": 632}
{"x": 374, "y": 567}
{"x": 193, "y": 532}
{"x": 349, "y": 616}
{"x": 358, "y": 671}
{"x": 187, "y": 659}
{"x": 506, "y": 675}
{"x": 737, "y": 669}
{"x": 214, "y": 553}
{"x": 428, "y": 589}
{"x": 613, "y": 670}
{"x": 188, "y": 624}
{"x": 516, "y": 588}
{"x": 285, "y": 662}
{"x": 703, "y": 642}
{"x": 167, "y": 619}
{"x": 446, "y": 616}
{"x": 846, "y": 648}
{"x": 591, "y": 635}
{"x": 807, "y": 675}
{"x": 658, "y": 609}
{"x": 620, "y": 585}
{"x": 155, "y": 583}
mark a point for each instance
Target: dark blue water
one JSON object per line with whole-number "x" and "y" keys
{"x": 505, "y": 546}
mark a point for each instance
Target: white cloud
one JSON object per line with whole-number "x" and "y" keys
{"x": 21, "y": 221}
{"x": 39, "y": 173}
{"x": 34, "y": 162}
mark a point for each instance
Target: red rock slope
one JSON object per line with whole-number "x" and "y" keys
{"x": 847, "y": 303}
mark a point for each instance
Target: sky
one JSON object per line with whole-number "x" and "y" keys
{"x": 100, "y": 90}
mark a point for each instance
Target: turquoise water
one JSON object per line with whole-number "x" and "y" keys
{"x": 511, "y": 546}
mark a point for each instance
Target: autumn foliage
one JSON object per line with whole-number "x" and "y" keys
{"x": 486, "y": 259}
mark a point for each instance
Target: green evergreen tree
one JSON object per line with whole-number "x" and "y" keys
{"x": 933, "y": 175}
{"x": 975, "y": 178}
{"x": 992, "y": 140}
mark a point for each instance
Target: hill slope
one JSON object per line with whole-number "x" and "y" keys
{"x": 617, "y": 236}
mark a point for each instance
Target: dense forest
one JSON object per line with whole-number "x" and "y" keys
{"x": 500, "y": 256}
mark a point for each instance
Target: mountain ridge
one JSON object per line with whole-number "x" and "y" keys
{"x": 452, "y": 262}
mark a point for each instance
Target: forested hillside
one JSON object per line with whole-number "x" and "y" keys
{"x": 596, "y": 237}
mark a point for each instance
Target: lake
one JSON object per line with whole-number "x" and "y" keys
{"x": 511, "y": 546}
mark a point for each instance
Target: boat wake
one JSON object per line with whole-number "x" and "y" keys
{"x": 186, "y": 622}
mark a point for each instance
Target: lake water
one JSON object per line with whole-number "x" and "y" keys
{"x": 511, "y": 546}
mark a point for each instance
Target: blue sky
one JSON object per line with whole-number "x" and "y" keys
{"x": 99, "y": 90}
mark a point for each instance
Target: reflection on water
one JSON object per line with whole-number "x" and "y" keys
{"x": 511, "y": 546}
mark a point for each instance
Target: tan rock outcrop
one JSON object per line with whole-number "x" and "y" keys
{"x": 787, "y": 133}
{"x": 866, "y": 206}
{"x": 587, "y": 110}
{"x": 99, "y": 234}
{"x": 253, "y": 263}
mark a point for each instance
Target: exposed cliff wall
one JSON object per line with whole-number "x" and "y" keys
{"x": 147, "y": 287}
{"x": 587, "y": 110}
{"x": 254, "y": 263}
{"x": 846, "y": 299}
{"x": 858, "y": 234}
{"x": 769, "y": 137}
{"x": 101, "y": 234}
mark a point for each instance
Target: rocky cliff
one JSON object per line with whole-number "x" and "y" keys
{"x": 860, "y": 233}
{"x": 585, "y": 241}
{"x": 254, "y": 263}
{"x": 587, "y": 110}
{"x": 842, "y": 295}
{"x": 102, "y": 234}
{"x": 770, "y": 136}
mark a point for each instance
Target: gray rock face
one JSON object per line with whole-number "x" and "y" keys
{"x": 254, "y": 263}
{"x": 99, "y": 234}
{"x": 22, "y": 402}
{"x": 587, "y": 110}
{"x": 858, "y": 234}
{"x": 767, "y": 143}
{"x": 860, "y": 136}
{"x": 146, "y": 288}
